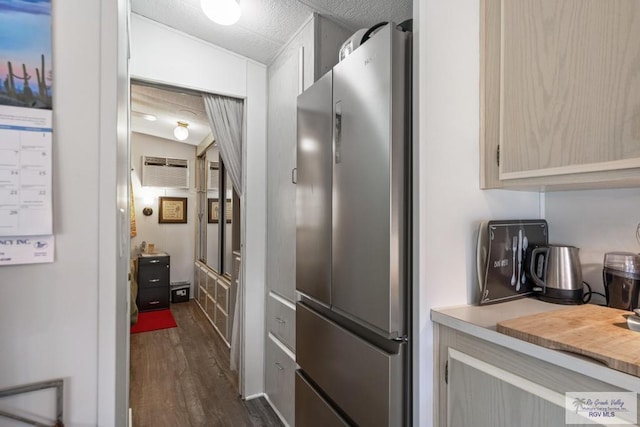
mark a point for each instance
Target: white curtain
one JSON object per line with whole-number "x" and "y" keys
{"x": 226, "y": 120}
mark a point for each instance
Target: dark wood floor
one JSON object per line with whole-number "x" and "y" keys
{"x": 181, "y": 377}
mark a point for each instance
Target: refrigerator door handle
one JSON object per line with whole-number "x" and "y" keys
{"x": 337, "y": 136}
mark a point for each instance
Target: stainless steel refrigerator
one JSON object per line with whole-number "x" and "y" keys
{"x": 352, "y": 239}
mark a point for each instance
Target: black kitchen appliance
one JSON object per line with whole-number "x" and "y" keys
{"x": 621, "y": 276}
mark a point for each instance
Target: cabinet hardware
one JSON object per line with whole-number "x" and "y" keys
{"x": 498, "y": 155}
{"x": 154, "y": 280}
{"x": 446, "y": 372}
{"x": 154, "y": 302}
{"x": 280, "y": 320}
{"x": 154, "y": 261}
{"x": 294, "y": 175}
{"x": 279, "y": 366}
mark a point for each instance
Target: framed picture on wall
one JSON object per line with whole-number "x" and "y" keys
{"x": 214, "y": 211}
{"x": 173, "y": 210}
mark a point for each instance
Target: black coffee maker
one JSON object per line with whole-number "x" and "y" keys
{"x": 621, "y": 276}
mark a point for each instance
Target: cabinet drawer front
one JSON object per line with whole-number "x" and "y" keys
{"x": 281, "y": 321}
{"x": 221, "y": 322}
{"x": 153, "y": 298}
{"x": 222, "y": 296}
{"x": 280, "y": 380}
{"x": 153, "y": 275}
{"x": 311, "y": 409}
{"x": 153, "y": 260}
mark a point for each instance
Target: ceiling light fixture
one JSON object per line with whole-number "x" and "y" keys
{"x": 181, "y": 132}
{"x": 223, "y": 12}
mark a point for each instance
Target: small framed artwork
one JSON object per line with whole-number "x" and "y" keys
{"x": 173, "y": 210}
{"x": 214, "y": 211}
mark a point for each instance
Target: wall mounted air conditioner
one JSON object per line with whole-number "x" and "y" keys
{"x": 165, "y": 172}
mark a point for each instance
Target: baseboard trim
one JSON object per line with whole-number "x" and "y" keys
{"x": 255, "y": 396}
{"x": 276, "y": 410}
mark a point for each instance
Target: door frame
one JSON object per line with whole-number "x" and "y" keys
{"x": 113, "y": 213}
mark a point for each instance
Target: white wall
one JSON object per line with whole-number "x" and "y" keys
{"x": 178, "y": 240}
{"x": 450, "y": 202}
{"x": 597, "y": 222}
{"x": 255, "y": 227}
{"x": 163, "y": 55}
{"x": 49, "y": 313}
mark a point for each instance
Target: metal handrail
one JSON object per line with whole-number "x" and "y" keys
{"x": 12, "y": 391}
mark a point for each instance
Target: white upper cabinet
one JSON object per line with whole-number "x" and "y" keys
{"x": 309, "y": 55}
{"x": 560, "y": 93}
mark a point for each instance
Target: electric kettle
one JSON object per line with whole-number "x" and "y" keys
{"x": 556, "y": 273}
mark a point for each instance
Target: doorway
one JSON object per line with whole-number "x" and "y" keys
{"x": 206, "y": 248}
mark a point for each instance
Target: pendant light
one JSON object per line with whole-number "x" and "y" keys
{"x": 223, "y": 12}
{"x": 181, "y": 132}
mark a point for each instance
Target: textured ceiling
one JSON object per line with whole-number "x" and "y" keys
{"x": 169, "y": 107}
{"x": 262, "y": 31}
{"x": 266, "y": 25}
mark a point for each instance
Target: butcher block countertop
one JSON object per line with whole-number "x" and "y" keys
{"x": 589, "y": 330}
{"x": 588, "y": 339}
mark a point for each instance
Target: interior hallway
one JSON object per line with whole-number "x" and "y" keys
{"x": 181, "y": 377}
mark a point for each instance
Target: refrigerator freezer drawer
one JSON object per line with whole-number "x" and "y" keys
{"x": 363, "y": 380}
{"x": 311, "y": 409}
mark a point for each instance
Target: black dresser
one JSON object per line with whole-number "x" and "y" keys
{"x": 153, "y": 282}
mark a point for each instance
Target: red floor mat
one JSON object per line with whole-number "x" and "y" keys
{"x": 154, "y": 320}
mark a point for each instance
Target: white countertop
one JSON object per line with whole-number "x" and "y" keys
{"x": 480, "y": 322}
{"x": 146, "y": 254}
{"x": 487, "y": 316}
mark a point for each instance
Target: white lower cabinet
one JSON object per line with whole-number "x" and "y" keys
{"x": 213, "y": 295}
{"x": 280, "y": 369}
{"x": 482, "y": 384}
{"x": 281, "y": 320}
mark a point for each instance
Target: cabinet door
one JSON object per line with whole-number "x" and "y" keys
{"x": 560, "y": 92}
{"x": 281, "y": 196}
{"x": 484, "y": 395}
{"x": 483, "y": 384}
{"x": 290, "y": 73}
{"x": 280, "y": 371}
